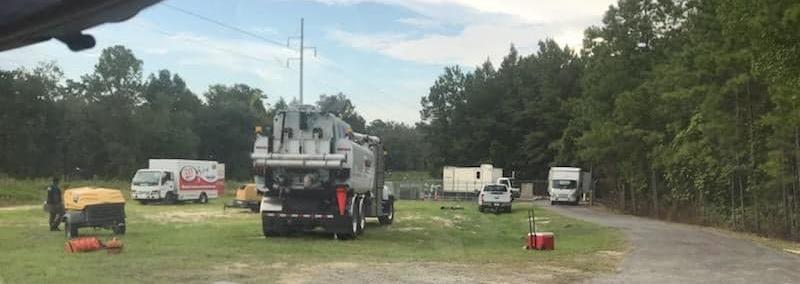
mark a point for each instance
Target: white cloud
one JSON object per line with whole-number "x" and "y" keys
{"x": 470, "y": 47}
{"x": 488, "y": 28}
{"x": 422, "y": 23}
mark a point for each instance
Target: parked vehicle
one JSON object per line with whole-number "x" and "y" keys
{"x": 93, "y": 207}
{"x": 173, "y": 180}
{"x": 495, "y": 197}
{"x": 515, "y": 192}
{"x": 247, "y": 196}
{"x": 470, "y": 180}
{"x": 567, "y": 184}
{"x": 317, "y": 172}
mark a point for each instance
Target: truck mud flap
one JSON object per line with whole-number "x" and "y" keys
{"x": 330, "y": 222}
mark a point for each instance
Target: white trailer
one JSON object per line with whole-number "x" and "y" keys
{"x": 172, "y": 180}
{"x": 567, "y": 184}
{"x": 460, "y": 180}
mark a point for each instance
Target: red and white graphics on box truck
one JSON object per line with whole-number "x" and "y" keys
{"x": 172, "y": 180}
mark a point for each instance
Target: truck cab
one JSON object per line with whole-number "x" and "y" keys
{"x": 515, "y": 192}
{"x": 152, "y": 185}
{"x": 495, "y": 197}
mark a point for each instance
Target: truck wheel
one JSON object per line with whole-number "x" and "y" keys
{"x": 170, "y": 198}
{"x": 118, "y": 229}
{"x": 362, "y": 216}
{"x": 143, "y": 202}
{"x": 268, "y": 226}
{"x": 389, "y": 218}
{"x": 70, "y": 231}
{"x": 352, "y": 228}
{"x": 255, "y": 208}
{"x": 203, "y": 198}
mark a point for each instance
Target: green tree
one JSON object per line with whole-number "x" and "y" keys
{"x": 341, "y": 106}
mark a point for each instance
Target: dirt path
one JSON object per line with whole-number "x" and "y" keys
{"x": 664, "y": 252}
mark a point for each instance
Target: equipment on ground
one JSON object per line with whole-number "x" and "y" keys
{"x": 538, "y": 240}
{"x": 247, "y": 196}
{"x": 173, "y": 180}
{"x": 316, "y": 172}
{"x": 86, "y": 244}
{"x": 93, "y": 207}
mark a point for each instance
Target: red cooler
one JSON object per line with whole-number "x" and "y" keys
{"x": 541, "y": 241}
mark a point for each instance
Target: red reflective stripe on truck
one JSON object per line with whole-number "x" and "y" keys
{"x": 341, "y": 199}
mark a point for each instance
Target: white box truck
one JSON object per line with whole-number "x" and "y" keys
{"x": 567, "y": 184}
{"x": 173, "y": 180}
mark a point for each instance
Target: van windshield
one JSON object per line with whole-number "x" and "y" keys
{"x": 564, "y": 184}
{"x": 146, "y": 178}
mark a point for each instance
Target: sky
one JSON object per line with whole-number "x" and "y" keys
{"x": 383, "y": 54}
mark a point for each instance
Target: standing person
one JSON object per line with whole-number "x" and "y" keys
{"x": 55, "y": 205}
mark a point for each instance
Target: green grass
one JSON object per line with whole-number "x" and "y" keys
{"x": 409, "y": 175}
{"x": 32, "y": 191}
{"x": 200, "y": 243}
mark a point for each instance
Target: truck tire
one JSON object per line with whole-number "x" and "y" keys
{"x": 143, "y": 202}
{"x": 118, "y": 229}
{"x": 203, "y": 199}
{"x": 70, "y": 231}
{"x": 388, "y": 218}
{"x": 268, "y": 226}
{"x": 170, "y": 198}
{"x": 352, "y": 228}
{"x": 255, "y": 208}
{"x": 362, "y": 216}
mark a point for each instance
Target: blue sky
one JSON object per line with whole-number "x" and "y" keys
{"x": 384, "y": 54}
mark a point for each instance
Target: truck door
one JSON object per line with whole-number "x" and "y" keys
{"x": 167, "y": 183}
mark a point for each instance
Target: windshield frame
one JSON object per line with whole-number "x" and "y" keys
{"x": 495, "y": 188}
{"x": 141, "y": 174}
{"x": 556, "y": 184}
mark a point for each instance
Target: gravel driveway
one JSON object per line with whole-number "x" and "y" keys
{"x": 664, "y": 252}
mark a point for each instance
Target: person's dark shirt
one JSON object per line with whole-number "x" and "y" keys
{"x": 53, "y": 194}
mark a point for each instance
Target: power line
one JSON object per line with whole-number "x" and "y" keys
{"x": 224, "y": 25}
{"x": 205, "y": 44}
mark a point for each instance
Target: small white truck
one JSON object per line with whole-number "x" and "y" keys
{"x": 515, "y": 192}
{"x": 495, "y": 197}
{"x": 173, "y": 180}
{"x": 567, "y": 184}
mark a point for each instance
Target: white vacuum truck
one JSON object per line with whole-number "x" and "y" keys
{"x": 315, "y": 171}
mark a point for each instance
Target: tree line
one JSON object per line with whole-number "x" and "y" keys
{"x": 111, "y": 121}
{"x": 684, "y": 109}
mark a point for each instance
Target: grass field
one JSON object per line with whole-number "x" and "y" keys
{"x": 197, "y": 243}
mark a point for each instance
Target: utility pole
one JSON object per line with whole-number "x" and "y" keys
{"x": 301, "y": 50}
